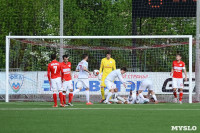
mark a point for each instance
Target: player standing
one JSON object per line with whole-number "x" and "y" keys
{"x": 177, "y": 80}
{"x": 83, "y": 80}
{"x": 109, "y": 81}
{"x": 66, "y": 79}
{"x": 55, "y": 79}
{"x": 147, "y": 84}
{"x": 107, "y": 66}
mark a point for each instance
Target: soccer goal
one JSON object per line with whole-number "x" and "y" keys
{"x": 150, "y": 57}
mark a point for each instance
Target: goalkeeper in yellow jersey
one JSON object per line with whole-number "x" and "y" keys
{"x": 107, "y": 66}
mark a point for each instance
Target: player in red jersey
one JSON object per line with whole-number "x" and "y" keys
{"x": 54, "y": 77}
{"x": 66, "y": 79}
{"x": 177, "y": 80}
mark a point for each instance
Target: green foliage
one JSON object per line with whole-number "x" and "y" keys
{"x": 84, "y": 17}
{"x": 40, "y": 117}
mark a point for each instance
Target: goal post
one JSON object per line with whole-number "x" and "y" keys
{"x": 187, "y": 37}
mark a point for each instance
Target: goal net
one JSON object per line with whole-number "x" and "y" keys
{"x": 150, "y": 57}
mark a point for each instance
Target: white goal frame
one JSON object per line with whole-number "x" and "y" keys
{"x": 189, "y": 37}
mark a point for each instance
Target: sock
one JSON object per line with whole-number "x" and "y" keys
{"x": 76, "y": 91}
{"x": 61, "y": 97}
{"x": 175, "y": 95}
{"x": 141, "y": 96}
{"x": 55, "y": 99}
{"x": 70, "y": 97}
{"x": 154, "y": 97}
{"x": 87, "y": 94}
{"x": 102, "y": 93}
{"x": 108, "y": 96}
{"x": 64, "y": 98}
{"x": 180, "y": 95}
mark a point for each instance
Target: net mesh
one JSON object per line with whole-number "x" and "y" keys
{"x": 153, "y": 55}
{"x": 144, "y": 58}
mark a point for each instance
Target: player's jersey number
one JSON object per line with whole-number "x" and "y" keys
{"x": 55, "y": 69}
{"x": 81, "y": 68}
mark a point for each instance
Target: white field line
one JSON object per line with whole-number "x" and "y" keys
{"x": 36, "y": 104}
{"x": 67, "y": 109}
{"x": 24, "y": 104}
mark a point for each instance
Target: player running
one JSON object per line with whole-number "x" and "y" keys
{"x": 107, "y": 66}
{"x": 66, "y": 80}
{"x": 147, "y": 84}
{"x": 55, "y": 79}
{"x": 109, "y": 81}
{"x": 177, "y": 80}
{"x": 83, "y": 80}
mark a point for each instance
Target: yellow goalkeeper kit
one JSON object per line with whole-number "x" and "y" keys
{"x": 107, "y": 66}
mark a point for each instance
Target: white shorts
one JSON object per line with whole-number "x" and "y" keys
{"x": 67, "y": 85}
{"x": 177, "y": 83}
{"x": 83, "y": 83}
{"x": 56, "y": 84}
{"x": 110, "y": 85}
{"x": 146, "y": 84}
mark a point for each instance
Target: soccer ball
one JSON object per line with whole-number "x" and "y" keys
{"x": 96, "y": 72}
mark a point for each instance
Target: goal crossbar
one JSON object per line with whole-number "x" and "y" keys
{"x": 100, "y": 37}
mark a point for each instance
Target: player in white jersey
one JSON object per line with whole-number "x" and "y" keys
{"x": 116, "y": 98}
{"x": 109, "y": 81}
{"x": 134, "y": 98}
{"x": 131, "y": 99}
{"x": 147, "y": 84}
{"x": 140, "y": 99}
{"x": 83, "y": 81}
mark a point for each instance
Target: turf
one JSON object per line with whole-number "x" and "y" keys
{"x": 40, "y": 117}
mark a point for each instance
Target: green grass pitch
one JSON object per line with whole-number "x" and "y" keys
{"x": 40, "y": 117}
